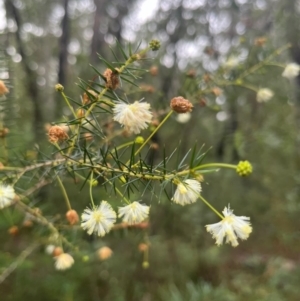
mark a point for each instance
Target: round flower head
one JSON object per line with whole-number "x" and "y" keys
{"x": 134, "y": 117}
{"x": 291, "y": 71}
{"x": 99, "y": 219}
{"x": 49, "y": 249}
{"x": 63, "y": 261}
{"x": 57, "y": 133}
{"x": 231, "y": 63}
{"x": 231, "y": 227}
{"x": 184, "y": 117}
{"x": 104, "y": 253}
{"x": 134, "y": 213}
{"x": 264, "y": 95}
{"x": 187, "y": 192}
{"x": 181, "y": 105}
{"x": 244, "y": 168}
{"x": 7, "y": 195}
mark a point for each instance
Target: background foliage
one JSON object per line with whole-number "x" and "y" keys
{"x": 45, "y": 42}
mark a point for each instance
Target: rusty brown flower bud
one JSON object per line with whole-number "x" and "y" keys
{"x": 143, "y": 247}
{"x": 104, "y": 253}
{"x": 57, "y": 251}
{"x": 56, "y": 134}
{"x": 112, "y": 79}
{"x": 72, "y": 217}
{"x": 181, "y": 105}
{"x": 153, "y": 70}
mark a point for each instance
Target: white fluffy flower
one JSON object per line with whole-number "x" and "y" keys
{"x": 49, "y": 249}
{"x": 187, "y": 192}
{"x": 264, "y": 95}
{"x": 291, "y": 71}
{"x": 184, "y": 117}
{"x": 231, "y": 63}
{"x": 7, "y": 194}
{"x": 134, "y": 213}
{"x": 99, "y": 219}
{"x": 63, "y": 261}
{"x": 134, "y": 117}
{"x": 231, "y": 227}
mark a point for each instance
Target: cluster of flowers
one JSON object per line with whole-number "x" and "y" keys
{"x": 100, "y": 219}
{"x": 291, "y": 71}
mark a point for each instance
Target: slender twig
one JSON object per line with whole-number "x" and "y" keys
{"x": 10, "y": 269}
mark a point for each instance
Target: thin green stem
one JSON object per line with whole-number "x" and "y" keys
{"x": 99, "y": 99}
{"x": 44, "y": 221}
{"x": 261, "y": 64}
{"x": 118, "y": 192}
{"x": 68, "y": 103}
{"x": 225, "y": 165}
{"x": 152, "y": 134}
{"x": 62, "y": 187}
{"x": 122, "y": 146}
{"x": 210, "y": 206}
{"x": 91, "y": 189}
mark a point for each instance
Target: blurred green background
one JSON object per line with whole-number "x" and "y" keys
{"x": 45, "y": 42}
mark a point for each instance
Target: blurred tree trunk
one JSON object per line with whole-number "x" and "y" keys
{"x": 63, "y": 56}
{"x": 63, "y": 46}
{"x": 227, "y": 139}
{"x": 98, "y": 39}
{"x": 114, "y": 25}
{"x": 30, "y": 78}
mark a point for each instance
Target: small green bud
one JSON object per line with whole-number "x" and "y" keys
{"x": 135, "y": 57}
{"x": 85, "y": 258}
{"x": 139, "y": 140}
{"x": 122, "y": 179}
{"x": 154, "y": 45}
{"x": 59, "y": 87}
{"x": 145, "y": 265}
{"x": 244, "y": 168}
{"x": 94, "y": 182}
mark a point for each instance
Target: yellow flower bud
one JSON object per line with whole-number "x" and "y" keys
{"x": 244, "y": 168}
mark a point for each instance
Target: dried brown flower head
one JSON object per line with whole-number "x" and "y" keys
{"x": 72, "y": 217}
{"x": 181, "y": 105}
{"x": 147, "y": 88}
{"x": 202, "y": 102}
{"x": 80, "y": 113}
{"x": 191, "y": 73}
{"x": 27, "y": 223}
{"x": 154, "y": 146}
{"x": 88, "y": 97}
{"x": 4, "y": 132}
{"x": 56, "y": 134}
{"x": 88, "y": 136}
{"x": 217, "y": 91}
{"x": 3, "y": 89}
{"x": 14, "y": 230}
{"x": 260, "y": 41}
{"x": 206, "y": 77}
{"x": 153, "y": 70}
{"x": 143, "y": 247}
{"x": 112, "y": 79}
